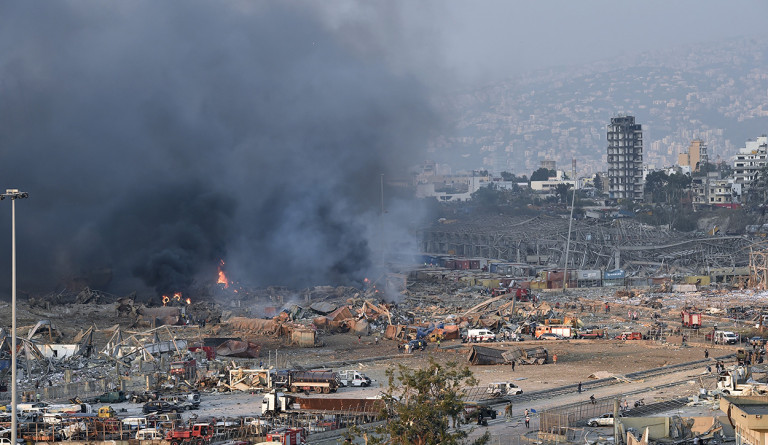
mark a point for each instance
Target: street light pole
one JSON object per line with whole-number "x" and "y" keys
{"x": 13, "y": 194}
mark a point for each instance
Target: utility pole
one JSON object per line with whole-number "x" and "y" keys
{"x": 568, "y": 243}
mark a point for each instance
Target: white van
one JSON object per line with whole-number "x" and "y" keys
{"x": 149, "y": 434}
{"x": 726, "y": 338}
{"x": 478, "y": 335}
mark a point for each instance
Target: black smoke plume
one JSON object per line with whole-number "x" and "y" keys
{"x": 157, "y": 138}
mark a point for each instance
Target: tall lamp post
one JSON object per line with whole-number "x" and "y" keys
{"x": 13, "y": 194}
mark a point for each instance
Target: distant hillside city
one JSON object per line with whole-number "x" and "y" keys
{"x": 627, "y": 187}
{"x": 716, "y": 94}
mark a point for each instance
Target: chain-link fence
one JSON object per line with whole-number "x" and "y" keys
{"x": 559, "y": 420}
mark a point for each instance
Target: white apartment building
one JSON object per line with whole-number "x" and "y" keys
{"x": 750, "y": 160}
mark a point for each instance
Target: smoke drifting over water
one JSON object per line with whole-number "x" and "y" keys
{"x": 157, "y": 138}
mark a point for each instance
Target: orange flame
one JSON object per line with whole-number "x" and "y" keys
{"x": 165, "y": 300}
{"x": 222, "y": 276}
{"x": 177, "y": 296}
{"x": 188, "y": 300}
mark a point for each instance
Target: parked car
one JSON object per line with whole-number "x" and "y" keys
{"x": 160, "y": 406}
{"x": 509, "y": 336}
{"x": 551, "y": 336}
{"x": 418, "y": 344}
{"x": 604, "y": 420}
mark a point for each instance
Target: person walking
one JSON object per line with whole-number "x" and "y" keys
{"x": 508, "y": 412}
{"x": 554, "y": 359}
{"x": 513, "y": 366}
{"x": 592, "y": 399}
{"x": 706, "y": 353}
{"x": 579, "y": 388}
{"x": 527, "y": 421}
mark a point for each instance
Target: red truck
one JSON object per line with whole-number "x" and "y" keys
{"x": 691, "y": 319}
{"x": 592, "y": 333}
{"x": 198, "y": 434}
{"x": 629, "y": 336}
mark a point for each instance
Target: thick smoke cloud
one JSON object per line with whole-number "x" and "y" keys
{"x": 156, "y": 139}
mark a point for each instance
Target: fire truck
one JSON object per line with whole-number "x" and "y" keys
{"x": 198, "y": 434}
{"x": 691, "y": 320}
{"x": 291, "y": 436}
{"x": 184, "y": 370}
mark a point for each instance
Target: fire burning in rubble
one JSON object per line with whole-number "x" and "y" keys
{"x": 222, "y": 276}
{"x": 175, "y": 297}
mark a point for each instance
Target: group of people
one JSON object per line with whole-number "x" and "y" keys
{"x": 508, "y": 415}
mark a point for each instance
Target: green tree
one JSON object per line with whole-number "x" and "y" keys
{"x": 542, "y": 174}
{"x": 561, "y": 190}
{"x": 420, "y": 405}
{"x": 511, "y": 177}
{"x": 655, "y": 186}
{"x": 677, "y": 186}
{"x": 725, "y": 169}
{"x": 488, "y": 196}
{"x": 598, "y": 182}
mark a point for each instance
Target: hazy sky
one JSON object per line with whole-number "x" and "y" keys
{"x": 476, "y": 42}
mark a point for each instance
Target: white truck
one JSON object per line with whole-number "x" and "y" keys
{"x": 502, "y": 389}
{"x": 275, "y": 402}
{"x": 353, "y": 378}
{"x": 480, "y": 335}
{"x": 738, "y": 382}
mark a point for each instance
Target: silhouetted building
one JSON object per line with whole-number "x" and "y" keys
{"x": 625, "y": 159}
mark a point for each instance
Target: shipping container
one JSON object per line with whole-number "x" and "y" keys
{"x": 638, "y": 282}
{"x": 462, "y": 264}
{"x": 702, "y": 280}
{"x": 537, "y": 259}
{"x": 474, "y": 264}
{"x": 450, "y": 264}
{"x": 492, "y": 283}
{"x": 590, "y": 283}
{"x": 555, "y": 276}
{"x": 614, "y": 274}
{"x": 588, "y": 275}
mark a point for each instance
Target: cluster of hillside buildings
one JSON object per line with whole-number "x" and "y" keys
{"x": 625, "y": 176}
